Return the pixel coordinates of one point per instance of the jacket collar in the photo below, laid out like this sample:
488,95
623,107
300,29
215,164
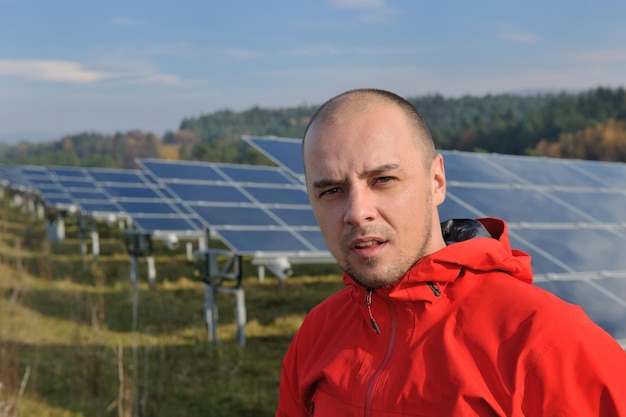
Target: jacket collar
480,245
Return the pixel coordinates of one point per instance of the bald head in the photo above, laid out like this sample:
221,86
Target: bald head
361,100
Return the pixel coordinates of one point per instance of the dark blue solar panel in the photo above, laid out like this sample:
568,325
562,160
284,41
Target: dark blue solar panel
75,184
34,171
545,171
15,176
470,167
450,209
131,192
296,217
608,174
147,208
182,208
604,207
181,170
285,152
243,216
165,224
119,177
582,250
43,182
58,200
278,195
599,307
515,205
615,286
260,175
99,207
67,172
541,264
168,194
251,241
215,193
87,195
316,239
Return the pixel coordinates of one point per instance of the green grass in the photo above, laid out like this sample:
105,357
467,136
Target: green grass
66,323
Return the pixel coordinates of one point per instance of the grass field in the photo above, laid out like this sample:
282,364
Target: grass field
68,347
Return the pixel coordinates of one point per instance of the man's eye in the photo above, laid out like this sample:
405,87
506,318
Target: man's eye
330,191
384,179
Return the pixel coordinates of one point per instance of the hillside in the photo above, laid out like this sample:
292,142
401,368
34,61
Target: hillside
68,346
541,124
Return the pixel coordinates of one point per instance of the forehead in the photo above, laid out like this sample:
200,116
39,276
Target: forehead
357,140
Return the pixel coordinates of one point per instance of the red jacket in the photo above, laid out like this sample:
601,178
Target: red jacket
462,334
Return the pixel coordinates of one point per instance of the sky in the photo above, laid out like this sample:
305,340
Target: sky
70,66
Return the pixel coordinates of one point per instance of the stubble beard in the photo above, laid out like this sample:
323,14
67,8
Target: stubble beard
366,272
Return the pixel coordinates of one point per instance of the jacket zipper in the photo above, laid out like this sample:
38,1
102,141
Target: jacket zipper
434,288
368,303
393,325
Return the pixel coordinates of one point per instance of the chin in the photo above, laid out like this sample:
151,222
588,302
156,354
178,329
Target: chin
373,279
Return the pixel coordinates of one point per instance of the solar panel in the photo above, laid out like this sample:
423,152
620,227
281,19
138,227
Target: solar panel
474,168
39,181
518,205
252,209
567,214
105,193
12,176
544,171
285,152
612,175
149,207
602,307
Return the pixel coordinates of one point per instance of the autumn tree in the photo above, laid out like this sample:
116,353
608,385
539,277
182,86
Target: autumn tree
604,142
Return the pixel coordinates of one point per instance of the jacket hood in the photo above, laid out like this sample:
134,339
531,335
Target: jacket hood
480,245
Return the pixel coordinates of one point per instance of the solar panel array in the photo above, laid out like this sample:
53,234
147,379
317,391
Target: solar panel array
569,215
108,194
252,209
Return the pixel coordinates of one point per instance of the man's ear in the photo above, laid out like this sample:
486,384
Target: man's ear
438,178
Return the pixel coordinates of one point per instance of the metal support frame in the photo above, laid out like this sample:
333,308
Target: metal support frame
139,246
221,271
87,226
55,226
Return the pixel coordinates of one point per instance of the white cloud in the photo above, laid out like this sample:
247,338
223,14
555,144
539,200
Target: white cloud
51,71
135,70
132,71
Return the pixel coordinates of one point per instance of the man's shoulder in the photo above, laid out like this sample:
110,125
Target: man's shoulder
497,294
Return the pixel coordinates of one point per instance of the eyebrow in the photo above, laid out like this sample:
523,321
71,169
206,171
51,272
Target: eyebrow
326,182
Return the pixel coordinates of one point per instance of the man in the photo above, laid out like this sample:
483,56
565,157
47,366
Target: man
436,319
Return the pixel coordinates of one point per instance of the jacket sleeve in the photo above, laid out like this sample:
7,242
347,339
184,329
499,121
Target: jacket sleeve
291,401
582,374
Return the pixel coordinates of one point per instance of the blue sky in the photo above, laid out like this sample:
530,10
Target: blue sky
72,66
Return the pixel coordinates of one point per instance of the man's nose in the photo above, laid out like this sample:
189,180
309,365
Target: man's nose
360,207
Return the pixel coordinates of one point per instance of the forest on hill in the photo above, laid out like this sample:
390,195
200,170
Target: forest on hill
584,125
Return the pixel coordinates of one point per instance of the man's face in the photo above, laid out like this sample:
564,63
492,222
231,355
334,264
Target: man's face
374,200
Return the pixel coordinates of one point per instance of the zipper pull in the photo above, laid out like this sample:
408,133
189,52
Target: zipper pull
368,303
434,288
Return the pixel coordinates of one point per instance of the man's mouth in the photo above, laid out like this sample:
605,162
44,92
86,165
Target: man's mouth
367,243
